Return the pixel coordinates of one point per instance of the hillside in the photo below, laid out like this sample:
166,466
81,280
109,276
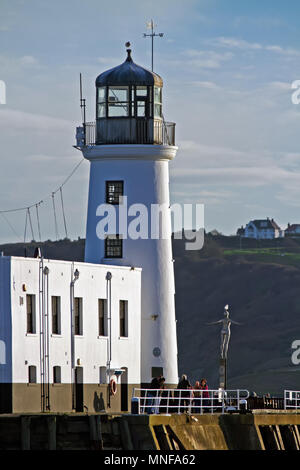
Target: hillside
262,289
259,280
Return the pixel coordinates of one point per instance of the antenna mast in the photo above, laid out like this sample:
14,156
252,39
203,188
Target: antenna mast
152,35
82,106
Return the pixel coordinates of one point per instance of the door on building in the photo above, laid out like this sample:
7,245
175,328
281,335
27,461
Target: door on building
124,389
79,389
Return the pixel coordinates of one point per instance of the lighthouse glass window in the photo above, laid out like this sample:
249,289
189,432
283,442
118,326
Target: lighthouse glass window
118,101
157,102
101,102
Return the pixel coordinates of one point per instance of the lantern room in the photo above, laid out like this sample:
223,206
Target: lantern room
129,107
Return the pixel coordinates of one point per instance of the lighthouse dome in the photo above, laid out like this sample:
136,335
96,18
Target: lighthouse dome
128,74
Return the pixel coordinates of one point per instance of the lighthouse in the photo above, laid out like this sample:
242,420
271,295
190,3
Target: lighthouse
129,147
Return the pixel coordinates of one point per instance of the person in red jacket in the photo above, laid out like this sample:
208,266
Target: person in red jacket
205,393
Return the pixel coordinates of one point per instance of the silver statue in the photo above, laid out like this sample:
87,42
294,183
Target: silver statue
225,331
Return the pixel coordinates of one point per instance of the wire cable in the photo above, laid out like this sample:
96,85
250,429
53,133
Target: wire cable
47,196
30,221
25,227
10,225
37,206
63,211
38,219
55,219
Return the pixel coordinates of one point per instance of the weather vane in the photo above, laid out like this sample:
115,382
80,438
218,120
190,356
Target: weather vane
152,35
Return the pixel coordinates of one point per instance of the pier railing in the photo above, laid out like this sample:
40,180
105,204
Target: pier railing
292,399
168,401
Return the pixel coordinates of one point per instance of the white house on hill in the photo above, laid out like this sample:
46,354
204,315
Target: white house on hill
261,229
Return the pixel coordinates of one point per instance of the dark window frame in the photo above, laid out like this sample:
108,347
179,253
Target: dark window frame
78,316
113,197
102,319
123,318
57,374
113,243
32,375
56,318
30,314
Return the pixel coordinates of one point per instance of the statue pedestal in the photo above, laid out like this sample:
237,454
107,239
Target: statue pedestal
223,374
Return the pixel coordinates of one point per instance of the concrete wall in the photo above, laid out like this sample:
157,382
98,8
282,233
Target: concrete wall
262,431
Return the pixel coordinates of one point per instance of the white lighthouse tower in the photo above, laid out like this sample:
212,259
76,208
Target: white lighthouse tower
129,148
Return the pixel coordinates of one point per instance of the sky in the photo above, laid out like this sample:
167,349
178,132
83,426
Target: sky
227,66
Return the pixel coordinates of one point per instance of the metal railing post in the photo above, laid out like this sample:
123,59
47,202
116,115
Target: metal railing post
179,402
284,399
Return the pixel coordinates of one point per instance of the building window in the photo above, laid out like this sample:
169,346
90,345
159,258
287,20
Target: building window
123,318
102,375
56,316
32,374
102,316
30,305
114,191
118,101
113,246
56,374
78,316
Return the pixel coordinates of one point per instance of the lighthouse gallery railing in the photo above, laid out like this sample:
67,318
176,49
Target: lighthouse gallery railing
163,134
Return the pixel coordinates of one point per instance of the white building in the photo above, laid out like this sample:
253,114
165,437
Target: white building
69,332
38,302
262,229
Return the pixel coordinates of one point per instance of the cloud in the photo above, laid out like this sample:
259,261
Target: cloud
193,191
12,63
236,43
108,61
15,120
239,176
43,158
283,51
214,153
28,60
224,173
280,86
206,59
208,85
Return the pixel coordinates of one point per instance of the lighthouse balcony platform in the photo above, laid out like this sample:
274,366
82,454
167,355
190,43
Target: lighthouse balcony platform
126,131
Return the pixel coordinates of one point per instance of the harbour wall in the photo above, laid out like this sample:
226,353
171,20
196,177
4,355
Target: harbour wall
259,430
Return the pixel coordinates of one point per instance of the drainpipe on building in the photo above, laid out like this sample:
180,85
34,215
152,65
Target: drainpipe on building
75,277
109,348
